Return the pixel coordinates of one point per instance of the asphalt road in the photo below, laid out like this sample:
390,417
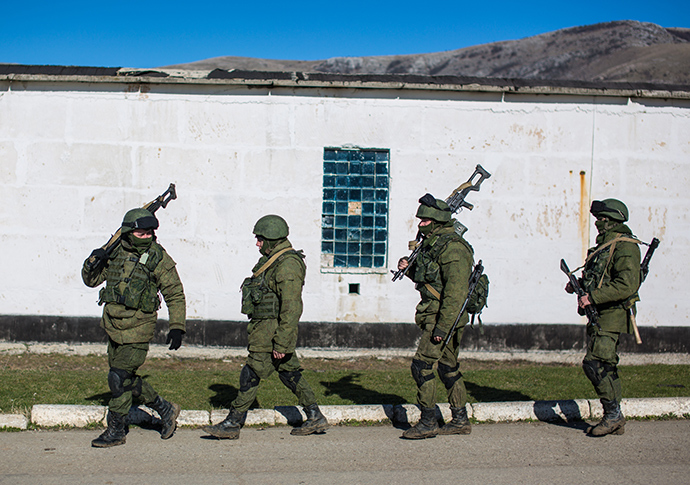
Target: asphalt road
510,453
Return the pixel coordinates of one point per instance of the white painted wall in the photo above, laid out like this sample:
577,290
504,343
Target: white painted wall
75,157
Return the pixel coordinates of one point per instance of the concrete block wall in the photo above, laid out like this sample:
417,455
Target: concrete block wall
75,156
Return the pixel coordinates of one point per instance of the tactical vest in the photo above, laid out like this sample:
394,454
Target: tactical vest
130,281
596,272
259,300
427,271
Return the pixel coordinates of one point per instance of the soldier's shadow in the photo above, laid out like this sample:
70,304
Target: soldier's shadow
103,398
493,394
225,394
346,388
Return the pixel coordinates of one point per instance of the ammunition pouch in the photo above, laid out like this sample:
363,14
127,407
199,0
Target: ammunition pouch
258,301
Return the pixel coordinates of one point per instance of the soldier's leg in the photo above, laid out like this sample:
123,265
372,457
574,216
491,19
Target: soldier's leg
600,367
422,369
124,360
451,377
257,367
290,373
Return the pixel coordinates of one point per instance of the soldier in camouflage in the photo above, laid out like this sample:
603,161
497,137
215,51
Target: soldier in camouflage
441,273
135,272
272,299
611,279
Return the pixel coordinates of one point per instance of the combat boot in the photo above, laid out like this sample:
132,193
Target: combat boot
613,421
315,423
115,434
168,413
229,428
427,427
460,424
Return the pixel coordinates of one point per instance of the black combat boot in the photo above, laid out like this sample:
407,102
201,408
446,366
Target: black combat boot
168,413
229,428
427,427
613,421
460,424
115,433
315,423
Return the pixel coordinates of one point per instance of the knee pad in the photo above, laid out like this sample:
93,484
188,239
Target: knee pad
444,371
610,370
248,379
418,367
290,379
116,381
594,370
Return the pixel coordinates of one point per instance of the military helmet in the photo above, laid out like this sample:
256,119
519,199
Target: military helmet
271,227
138,219
434,209
612,208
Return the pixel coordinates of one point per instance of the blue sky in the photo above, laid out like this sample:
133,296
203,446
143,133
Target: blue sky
157,33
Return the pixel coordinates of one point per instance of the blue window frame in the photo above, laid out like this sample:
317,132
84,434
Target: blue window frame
354,214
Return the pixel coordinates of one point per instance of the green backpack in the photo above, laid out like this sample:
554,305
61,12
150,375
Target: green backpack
478,299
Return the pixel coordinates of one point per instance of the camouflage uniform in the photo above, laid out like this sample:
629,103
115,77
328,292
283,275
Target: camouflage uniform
611,278
441,273
272,299
134,273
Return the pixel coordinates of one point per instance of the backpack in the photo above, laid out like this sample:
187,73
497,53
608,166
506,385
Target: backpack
478,299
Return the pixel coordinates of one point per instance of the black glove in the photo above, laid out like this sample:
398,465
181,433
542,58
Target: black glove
174,336
99,256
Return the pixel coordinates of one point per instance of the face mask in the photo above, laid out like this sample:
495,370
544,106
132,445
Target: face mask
140,245
426,229
605,225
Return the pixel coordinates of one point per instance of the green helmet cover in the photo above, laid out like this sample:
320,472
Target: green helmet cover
614,209
271,227
434,209
138,219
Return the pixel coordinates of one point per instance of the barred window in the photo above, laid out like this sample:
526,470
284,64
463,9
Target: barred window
354,215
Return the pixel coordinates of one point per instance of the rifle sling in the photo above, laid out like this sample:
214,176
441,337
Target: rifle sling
268,263
433,291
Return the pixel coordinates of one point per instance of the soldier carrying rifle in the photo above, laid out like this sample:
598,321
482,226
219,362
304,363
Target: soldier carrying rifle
135,269
607,293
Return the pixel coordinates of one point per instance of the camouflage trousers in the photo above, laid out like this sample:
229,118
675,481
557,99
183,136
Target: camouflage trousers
601,363
129,357
429,353
260,365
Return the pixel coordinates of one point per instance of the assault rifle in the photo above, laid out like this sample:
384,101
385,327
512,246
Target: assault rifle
473,282
160,201
590,311
644,267
456,201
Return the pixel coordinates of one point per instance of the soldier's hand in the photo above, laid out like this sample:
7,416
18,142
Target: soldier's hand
278,355
174,338
96,258
437,335
569,288
403,263
584,301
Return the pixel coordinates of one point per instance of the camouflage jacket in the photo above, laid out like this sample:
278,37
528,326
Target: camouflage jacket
284,279
441,273
126,325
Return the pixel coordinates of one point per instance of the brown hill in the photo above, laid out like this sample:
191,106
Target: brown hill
626,50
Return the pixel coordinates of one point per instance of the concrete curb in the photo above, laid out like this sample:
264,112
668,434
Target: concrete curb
48,415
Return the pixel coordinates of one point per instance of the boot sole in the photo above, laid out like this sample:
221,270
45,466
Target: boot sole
447,432
103,444
316,430
222,435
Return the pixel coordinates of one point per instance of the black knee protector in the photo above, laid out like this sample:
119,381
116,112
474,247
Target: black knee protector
610,370
248,379
444,371
417,367
290,379
594,370
116,381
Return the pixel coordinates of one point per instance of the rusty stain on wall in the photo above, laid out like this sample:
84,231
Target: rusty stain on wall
584,214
